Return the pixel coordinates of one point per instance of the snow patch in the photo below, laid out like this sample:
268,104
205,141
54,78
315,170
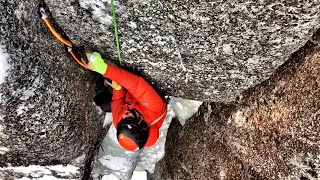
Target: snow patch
132,24
131,50
98,10
23,108
64,170
45,177
178,53
239,118
4,66
139,175
3,150
184,108
227,49
27,94
44,172
20,11
109,177
107,119
79,160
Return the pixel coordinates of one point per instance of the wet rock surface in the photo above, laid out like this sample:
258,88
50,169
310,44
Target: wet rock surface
269,132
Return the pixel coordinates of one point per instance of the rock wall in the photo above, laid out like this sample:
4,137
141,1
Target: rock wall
269,132
47,116
198,50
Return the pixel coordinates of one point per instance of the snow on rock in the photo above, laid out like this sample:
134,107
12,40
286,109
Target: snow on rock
3,150
4,66
107,119
98,10
208,50
56,172
184,108
46,111
139,175
64,170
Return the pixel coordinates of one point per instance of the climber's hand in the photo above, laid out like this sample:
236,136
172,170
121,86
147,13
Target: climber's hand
96,63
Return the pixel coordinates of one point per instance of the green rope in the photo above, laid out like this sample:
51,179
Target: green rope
116,30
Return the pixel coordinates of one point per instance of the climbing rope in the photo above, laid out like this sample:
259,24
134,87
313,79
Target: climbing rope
116,30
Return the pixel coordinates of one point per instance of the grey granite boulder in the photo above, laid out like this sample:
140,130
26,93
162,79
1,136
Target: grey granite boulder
47,115
203,50
270,131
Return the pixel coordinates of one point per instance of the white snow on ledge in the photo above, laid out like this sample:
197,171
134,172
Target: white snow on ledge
184,108
44,172
4,66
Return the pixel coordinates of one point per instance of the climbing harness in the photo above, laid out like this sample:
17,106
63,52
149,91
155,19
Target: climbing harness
76,52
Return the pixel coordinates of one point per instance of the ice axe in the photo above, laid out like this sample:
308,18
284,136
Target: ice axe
76,52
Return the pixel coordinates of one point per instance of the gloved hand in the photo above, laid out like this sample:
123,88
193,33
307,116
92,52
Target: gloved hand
96,63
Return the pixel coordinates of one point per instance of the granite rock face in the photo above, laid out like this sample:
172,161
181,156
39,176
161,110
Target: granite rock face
270,131
191,49
47,115
198,50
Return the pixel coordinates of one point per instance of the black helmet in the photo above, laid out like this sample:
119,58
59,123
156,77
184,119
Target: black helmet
132,132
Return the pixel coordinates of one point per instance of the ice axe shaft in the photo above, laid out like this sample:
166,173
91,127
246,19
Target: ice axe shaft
77,53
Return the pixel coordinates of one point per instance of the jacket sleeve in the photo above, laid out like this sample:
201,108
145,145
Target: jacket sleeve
138,88
118,102
118,94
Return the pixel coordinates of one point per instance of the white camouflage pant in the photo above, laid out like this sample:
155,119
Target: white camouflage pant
115,160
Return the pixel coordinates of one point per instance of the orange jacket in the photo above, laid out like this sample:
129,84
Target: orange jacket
137,94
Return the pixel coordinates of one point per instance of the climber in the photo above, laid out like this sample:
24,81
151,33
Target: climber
138,113
141,117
